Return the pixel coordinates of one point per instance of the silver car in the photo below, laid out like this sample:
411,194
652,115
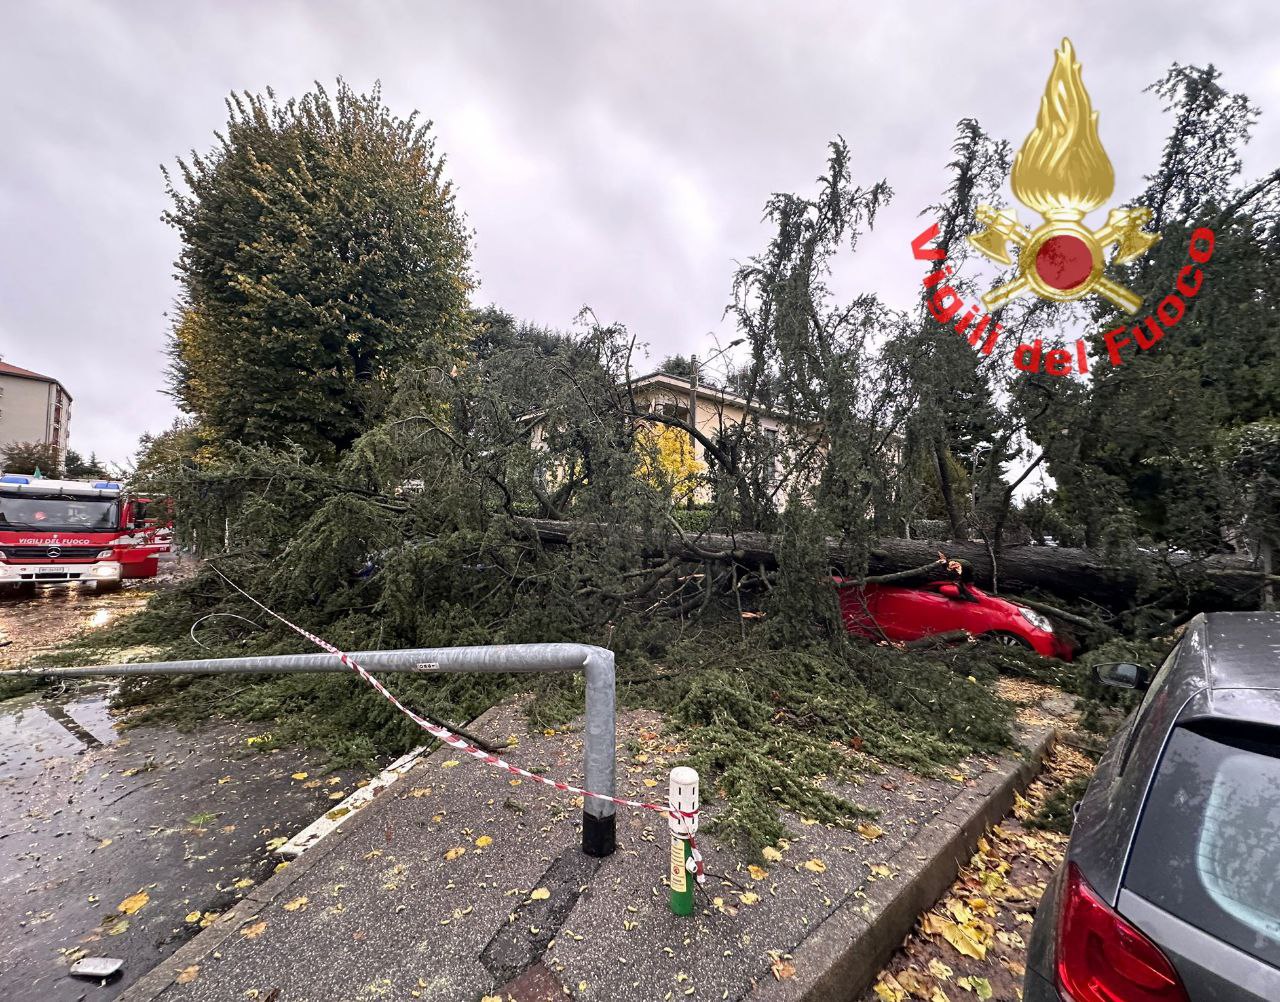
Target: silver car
1170,890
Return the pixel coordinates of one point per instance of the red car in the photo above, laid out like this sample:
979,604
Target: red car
888,612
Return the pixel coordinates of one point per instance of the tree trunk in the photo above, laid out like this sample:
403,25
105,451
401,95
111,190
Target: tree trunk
1219,582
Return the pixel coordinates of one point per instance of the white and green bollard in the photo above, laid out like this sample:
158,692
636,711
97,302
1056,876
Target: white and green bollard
683,797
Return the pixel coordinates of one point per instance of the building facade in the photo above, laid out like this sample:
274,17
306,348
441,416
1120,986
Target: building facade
33,408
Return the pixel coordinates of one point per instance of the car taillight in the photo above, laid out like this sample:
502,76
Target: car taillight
1102,958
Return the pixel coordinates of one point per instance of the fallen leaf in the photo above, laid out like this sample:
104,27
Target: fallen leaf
749,898
757,872
869,831
483,842
889,990
296,903
915,983
255,930
815,866
938,995
242,883
276,843
771,854
192,917
539,894
118,927
450,764
783,969
940,970
299,776
134,903
187,974
454,853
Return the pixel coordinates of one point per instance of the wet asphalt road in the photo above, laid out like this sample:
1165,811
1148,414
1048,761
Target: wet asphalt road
121,844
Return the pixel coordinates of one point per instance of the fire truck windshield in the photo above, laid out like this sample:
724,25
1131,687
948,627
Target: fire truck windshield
58,512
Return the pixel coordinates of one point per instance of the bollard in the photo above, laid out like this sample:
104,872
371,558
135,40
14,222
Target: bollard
683,796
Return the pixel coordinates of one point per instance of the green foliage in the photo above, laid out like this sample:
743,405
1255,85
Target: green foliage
76,467
321,250
1138,452
27,457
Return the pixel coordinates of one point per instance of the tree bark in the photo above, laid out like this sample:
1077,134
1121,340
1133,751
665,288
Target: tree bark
1219,582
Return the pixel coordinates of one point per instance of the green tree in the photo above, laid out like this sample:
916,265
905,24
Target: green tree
1135,453
77,467
27,457
321,250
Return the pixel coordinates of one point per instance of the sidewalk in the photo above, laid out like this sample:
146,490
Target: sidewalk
460,883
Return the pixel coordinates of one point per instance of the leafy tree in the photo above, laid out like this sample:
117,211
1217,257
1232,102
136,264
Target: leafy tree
1135,453
667,462
321,250
79,468
27,457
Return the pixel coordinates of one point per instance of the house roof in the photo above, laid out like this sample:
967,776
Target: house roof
12,370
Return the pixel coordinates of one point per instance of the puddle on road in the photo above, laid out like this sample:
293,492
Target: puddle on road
91,817
35,731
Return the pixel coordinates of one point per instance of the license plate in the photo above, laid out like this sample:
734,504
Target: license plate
51,570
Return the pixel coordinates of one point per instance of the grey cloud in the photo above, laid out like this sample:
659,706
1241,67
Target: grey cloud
613,154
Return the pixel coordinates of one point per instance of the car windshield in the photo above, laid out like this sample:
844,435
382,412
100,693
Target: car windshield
57,512
1208,845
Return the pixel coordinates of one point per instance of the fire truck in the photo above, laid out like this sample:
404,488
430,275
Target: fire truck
78,531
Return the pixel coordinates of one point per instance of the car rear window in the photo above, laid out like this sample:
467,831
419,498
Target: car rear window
1208,845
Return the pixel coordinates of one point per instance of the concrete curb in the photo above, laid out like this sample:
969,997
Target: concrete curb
841,958
159,979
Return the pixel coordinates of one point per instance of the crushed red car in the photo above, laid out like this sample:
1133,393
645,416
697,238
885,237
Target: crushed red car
890,612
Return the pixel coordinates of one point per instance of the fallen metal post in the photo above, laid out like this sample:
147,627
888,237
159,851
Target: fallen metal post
598,816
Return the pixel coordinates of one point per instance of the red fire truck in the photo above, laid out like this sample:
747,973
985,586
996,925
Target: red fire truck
59,531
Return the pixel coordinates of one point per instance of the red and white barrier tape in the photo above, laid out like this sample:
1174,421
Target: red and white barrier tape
467,748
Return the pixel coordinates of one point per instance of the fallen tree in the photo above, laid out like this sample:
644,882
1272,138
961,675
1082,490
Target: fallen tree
1215,582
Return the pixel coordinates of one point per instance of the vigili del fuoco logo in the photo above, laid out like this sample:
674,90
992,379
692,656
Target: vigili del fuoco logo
1063,173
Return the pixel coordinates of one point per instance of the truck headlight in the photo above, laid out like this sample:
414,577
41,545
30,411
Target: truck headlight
1035,619
106,571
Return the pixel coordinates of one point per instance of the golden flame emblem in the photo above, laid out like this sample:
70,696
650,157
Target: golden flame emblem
1063,172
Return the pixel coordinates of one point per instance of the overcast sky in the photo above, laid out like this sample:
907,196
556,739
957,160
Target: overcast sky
612,154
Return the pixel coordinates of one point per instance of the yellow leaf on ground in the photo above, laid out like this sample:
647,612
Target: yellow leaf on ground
192,917
296,903
869,831
483,841
915,983
815,866
783,969
749,898
651,783
299,776
964,939
938,995
187,974
255,930
242,883
454,853
889,990
134,903
539,894
940,970
771,854
450,764
757,872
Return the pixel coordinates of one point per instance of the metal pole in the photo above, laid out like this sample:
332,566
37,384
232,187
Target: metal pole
598,816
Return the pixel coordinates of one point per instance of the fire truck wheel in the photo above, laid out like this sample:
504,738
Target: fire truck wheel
25,589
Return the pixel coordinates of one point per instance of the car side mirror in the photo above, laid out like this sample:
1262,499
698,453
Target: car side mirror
950,590
1122,675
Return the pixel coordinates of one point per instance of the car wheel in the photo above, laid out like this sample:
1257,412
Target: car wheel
1007,640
